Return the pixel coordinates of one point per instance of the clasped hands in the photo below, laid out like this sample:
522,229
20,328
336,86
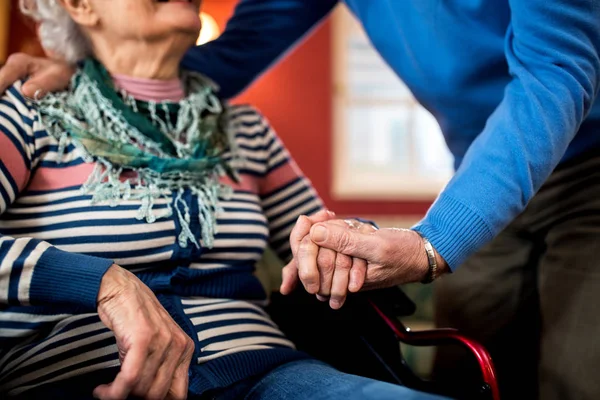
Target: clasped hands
333,257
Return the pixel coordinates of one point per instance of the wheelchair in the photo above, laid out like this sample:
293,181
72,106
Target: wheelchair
362,338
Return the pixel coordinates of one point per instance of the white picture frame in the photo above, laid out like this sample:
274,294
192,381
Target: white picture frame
365,94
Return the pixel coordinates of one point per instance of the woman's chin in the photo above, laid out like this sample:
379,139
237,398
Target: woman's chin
186,23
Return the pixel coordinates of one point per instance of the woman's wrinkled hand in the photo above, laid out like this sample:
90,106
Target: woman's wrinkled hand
155,352
45,75
330,274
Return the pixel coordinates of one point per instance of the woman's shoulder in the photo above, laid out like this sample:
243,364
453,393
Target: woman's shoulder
248,120
16,108
246,113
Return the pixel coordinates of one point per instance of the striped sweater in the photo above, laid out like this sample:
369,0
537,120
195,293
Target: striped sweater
55,247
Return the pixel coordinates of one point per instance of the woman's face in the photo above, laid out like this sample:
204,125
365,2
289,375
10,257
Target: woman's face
148,20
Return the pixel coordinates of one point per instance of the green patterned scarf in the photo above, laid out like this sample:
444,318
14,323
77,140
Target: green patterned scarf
170,146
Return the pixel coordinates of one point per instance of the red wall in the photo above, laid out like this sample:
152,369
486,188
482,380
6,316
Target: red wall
296,97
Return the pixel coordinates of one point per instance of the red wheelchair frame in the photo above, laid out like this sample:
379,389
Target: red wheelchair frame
369,324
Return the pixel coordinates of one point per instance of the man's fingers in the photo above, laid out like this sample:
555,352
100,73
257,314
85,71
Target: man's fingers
346,241
339,285
16,68
307,265
44,75
358,274
289,275
53,78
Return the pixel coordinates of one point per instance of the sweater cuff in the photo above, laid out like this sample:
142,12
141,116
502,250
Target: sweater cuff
60,277
454,230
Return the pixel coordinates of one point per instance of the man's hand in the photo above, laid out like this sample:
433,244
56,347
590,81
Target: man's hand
155,352
45,75
394,256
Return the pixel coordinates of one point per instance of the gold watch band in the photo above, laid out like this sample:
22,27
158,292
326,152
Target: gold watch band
432,271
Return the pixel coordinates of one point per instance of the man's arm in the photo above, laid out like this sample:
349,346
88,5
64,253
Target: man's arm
552,49
258,34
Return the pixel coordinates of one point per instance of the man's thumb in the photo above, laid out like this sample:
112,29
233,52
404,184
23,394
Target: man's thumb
47,79
343,240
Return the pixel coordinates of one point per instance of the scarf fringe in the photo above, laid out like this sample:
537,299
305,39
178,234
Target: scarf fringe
86,108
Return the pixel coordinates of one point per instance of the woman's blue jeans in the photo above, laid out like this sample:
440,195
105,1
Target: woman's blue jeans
314,380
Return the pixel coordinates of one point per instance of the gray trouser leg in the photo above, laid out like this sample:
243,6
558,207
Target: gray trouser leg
532,295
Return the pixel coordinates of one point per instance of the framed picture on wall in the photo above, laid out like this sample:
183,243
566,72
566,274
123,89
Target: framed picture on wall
385,144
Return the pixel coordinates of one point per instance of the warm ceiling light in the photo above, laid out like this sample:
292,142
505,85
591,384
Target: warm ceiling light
210,29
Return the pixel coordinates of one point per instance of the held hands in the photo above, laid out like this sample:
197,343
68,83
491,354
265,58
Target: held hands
324,272
333,257
45,75
155,352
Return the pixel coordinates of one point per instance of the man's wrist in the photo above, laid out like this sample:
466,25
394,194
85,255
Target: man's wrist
435,265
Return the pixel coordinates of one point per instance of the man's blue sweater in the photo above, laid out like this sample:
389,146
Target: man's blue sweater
511,82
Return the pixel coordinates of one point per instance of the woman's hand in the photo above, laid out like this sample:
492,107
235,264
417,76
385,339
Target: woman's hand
45,75
155,352
331,274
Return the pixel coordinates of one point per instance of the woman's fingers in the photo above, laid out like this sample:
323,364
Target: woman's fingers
127,378
339,285
290,278
179,385
159,361
303,225
326,265
308,271
358,274
151,343
177,353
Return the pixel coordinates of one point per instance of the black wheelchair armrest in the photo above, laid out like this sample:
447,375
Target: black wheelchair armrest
362,338
350,339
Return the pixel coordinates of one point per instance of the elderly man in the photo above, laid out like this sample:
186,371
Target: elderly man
513,84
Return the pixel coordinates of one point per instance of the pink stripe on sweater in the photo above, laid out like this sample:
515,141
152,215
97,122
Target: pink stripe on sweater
280,177
11,157
45,178
248,183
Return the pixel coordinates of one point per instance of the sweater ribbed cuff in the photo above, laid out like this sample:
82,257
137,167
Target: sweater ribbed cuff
454,230
60,277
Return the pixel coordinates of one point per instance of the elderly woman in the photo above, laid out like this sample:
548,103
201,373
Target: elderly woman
134,207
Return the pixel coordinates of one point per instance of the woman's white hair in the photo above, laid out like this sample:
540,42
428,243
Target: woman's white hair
58,33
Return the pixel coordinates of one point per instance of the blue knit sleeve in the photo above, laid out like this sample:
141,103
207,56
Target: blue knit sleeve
552,49
259,32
